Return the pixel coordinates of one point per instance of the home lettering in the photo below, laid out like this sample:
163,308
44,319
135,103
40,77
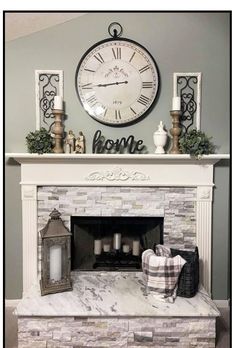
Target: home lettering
101,145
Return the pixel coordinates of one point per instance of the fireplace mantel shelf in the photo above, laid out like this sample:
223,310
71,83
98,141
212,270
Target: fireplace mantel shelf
116,170
117,158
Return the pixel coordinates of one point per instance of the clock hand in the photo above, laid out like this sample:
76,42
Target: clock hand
111,84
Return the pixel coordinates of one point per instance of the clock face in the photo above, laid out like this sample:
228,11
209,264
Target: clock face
117,81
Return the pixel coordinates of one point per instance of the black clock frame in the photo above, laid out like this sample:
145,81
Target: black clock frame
117,38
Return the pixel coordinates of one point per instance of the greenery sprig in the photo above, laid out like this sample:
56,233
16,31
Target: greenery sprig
196,143
39,141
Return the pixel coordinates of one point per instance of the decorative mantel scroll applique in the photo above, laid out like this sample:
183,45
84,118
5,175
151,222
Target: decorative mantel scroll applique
117,174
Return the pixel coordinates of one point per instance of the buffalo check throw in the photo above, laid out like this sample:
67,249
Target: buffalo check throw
161,273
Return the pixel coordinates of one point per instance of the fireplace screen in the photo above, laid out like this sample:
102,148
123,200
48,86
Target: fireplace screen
112,243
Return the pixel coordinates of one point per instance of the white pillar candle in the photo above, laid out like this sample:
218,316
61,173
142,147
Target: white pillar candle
58,102
117,241
97,246
125,248
106,248
136,246
55,262
176,103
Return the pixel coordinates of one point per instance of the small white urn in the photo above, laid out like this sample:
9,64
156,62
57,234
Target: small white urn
160,138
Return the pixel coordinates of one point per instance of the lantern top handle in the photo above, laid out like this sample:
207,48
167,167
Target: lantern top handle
55,214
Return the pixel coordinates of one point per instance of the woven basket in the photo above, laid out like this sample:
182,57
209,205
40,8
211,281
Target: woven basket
189,276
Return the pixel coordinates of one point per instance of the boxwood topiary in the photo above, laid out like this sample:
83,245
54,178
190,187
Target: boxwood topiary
39,141
196,143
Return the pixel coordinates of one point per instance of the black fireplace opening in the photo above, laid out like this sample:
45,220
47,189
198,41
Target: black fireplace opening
112,243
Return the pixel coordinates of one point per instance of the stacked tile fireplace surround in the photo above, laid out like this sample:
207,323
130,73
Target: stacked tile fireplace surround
176,205
174,187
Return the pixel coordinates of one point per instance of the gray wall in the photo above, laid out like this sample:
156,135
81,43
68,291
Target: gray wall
195,42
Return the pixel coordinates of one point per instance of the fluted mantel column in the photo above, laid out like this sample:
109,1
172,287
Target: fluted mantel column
29,224
204,234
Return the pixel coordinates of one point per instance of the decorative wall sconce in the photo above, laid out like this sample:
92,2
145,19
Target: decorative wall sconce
56,259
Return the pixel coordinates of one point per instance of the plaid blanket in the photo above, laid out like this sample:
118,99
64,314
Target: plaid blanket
161,273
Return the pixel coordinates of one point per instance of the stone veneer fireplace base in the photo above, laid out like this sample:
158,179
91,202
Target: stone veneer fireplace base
114,332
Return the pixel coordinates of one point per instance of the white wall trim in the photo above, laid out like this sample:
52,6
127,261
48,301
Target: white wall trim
222,303
12,303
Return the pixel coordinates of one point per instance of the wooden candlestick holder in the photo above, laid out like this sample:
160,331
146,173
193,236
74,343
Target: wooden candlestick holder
175,131
58,131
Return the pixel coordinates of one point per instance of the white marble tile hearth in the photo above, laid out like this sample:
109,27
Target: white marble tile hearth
111,309
111,294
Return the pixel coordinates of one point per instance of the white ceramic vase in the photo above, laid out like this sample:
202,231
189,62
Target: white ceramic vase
160,138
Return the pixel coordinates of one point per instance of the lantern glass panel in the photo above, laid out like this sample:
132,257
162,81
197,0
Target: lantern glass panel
55,262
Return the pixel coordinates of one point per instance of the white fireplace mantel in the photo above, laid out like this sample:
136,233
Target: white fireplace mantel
116,170
107,169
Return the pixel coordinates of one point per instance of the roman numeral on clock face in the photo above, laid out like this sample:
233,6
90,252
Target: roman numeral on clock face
92,100
147,84
116,52
90,70
87,86
143,100
133,110
144,69
105,111
117,115
132,57
99,58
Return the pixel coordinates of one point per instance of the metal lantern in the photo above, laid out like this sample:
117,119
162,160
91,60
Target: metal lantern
56,259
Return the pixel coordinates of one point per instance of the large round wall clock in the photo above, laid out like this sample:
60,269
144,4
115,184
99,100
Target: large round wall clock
117,80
